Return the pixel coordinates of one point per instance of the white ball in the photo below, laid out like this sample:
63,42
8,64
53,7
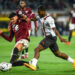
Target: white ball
5,66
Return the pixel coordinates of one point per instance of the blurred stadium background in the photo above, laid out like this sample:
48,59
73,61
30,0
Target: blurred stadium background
59,9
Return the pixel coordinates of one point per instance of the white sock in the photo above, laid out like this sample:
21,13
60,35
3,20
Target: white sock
34,61
26,53
70,59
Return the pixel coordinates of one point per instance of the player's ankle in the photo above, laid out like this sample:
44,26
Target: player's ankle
70,60
34,62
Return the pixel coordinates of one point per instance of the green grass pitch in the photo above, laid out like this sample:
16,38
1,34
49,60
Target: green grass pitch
48,63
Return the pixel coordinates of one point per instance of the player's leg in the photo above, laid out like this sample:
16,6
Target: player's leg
71,28
69,38
15,54
54,48
20,45
19,63
59,54
22,56
33,63
25,55
65,56
70,35
43,45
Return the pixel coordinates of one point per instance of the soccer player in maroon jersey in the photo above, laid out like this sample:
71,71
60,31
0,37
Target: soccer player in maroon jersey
26,12
71,24
19,30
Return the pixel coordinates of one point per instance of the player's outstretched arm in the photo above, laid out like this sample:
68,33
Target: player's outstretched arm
9,38
58,34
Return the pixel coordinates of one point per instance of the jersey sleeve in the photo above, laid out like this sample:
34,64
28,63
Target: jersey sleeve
10,37
31,13
18,12
51,22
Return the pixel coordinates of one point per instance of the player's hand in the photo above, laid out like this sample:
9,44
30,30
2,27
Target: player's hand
1,31
63,40
24,17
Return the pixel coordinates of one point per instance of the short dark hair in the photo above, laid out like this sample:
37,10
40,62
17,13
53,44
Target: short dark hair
22,0
41,8
12,14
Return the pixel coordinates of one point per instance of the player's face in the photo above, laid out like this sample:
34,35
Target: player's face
14,19
22,4
41,14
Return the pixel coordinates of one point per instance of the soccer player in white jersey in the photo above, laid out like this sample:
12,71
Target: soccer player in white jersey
49,41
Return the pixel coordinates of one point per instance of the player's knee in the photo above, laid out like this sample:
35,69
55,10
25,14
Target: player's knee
37,49
57,54
20,46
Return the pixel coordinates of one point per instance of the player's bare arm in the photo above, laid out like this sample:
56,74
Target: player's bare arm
58,34
9,38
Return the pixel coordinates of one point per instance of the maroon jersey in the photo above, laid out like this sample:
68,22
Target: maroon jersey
28,12
72,13
19,30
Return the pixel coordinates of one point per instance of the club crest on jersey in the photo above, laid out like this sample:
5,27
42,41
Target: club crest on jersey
16,28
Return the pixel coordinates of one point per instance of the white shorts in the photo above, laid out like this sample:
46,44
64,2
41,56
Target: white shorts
29,32
71,26
24,42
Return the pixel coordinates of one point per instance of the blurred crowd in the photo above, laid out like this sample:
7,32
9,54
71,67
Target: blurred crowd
50,4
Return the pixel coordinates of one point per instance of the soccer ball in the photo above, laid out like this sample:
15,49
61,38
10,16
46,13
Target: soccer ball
5,66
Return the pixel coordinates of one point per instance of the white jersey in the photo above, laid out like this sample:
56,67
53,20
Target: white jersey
48,24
